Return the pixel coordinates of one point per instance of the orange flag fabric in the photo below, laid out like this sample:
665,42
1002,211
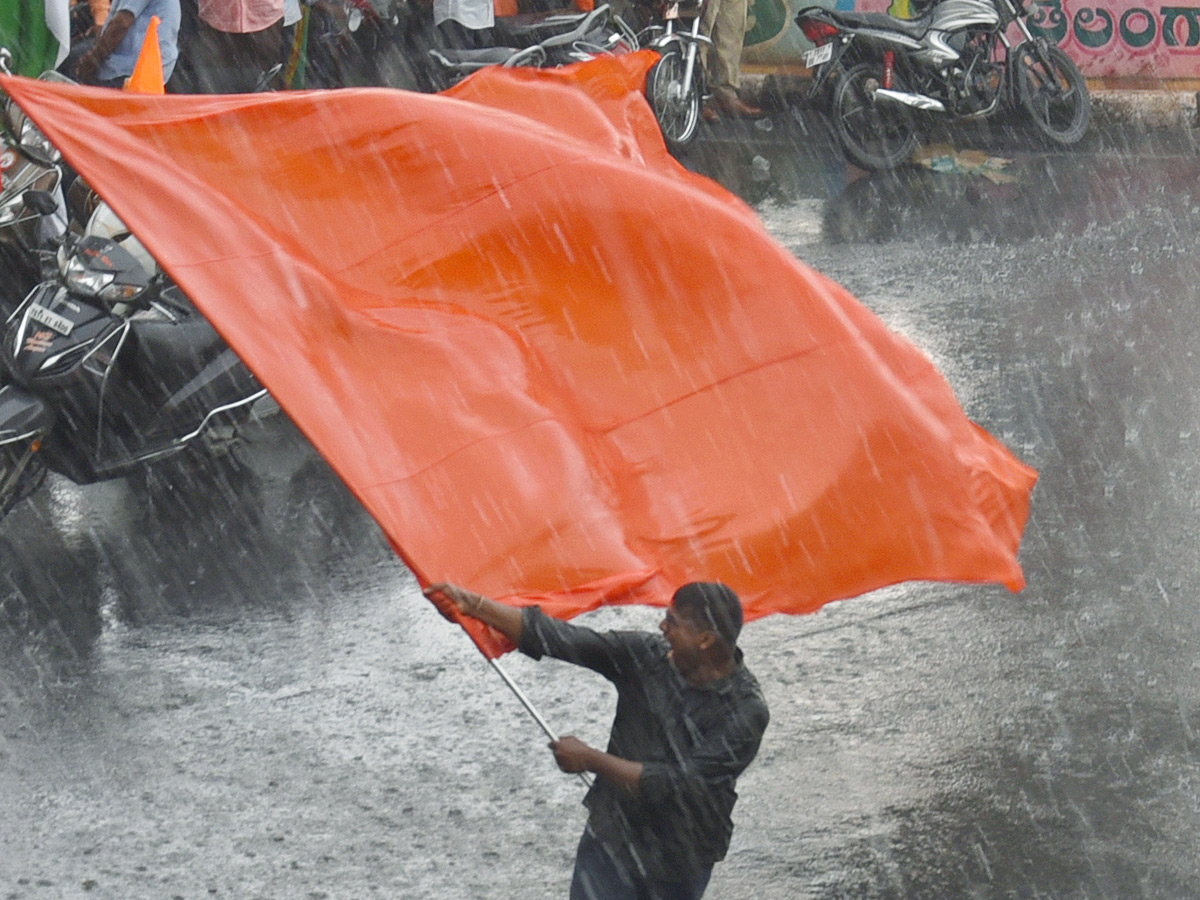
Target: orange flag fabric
147,77
554,365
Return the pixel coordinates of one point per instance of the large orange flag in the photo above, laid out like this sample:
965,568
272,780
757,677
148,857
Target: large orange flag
552,364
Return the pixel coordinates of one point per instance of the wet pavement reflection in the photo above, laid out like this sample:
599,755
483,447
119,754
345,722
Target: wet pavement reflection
221,682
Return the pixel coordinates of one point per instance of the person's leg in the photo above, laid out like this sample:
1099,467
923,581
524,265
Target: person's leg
208,52
597,875
708,55
455,35
728,32
721,22
258,52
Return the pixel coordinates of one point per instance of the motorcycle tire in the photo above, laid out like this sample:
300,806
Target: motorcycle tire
27,483
676,105
1052,90
874,136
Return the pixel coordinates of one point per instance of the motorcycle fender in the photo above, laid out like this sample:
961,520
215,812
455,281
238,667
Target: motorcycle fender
667,42
22,415
817,13
826,70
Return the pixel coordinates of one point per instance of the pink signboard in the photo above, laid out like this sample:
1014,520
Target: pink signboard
1123,38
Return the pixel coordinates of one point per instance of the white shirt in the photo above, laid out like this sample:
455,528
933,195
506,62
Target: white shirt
474,14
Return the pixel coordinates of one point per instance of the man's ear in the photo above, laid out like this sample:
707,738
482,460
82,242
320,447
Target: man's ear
707,640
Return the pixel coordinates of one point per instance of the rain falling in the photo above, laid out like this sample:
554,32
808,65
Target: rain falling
218,679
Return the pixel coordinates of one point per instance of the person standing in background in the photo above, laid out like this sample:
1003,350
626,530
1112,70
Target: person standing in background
464,24
236,43
112,58
724,21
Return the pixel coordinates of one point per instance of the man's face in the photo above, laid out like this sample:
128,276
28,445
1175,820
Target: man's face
686,637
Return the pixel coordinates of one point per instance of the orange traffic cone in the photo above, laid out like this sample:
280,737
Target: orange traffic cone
147,77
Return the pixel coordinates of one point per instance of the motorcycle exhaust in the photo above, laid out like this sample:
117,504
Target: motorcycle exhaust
916,101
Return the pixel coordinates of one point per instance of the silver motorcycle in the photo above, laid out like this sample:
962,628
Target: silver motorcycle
675,86
875,73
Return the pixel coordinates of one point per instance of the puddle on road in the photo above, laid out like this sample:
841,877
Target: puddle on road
981,190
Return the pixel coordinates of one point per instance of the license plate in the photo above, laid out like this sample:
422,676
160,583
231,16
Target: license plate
50,319
818,55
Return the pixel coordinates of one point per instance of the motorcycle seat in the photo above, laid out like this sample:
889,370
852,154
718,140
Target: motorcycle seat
913,28
473,59
551,30
526,27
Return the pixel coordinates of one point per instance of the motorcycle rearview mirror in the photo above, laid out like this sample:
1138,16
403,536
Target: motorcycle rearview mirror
41,202
264,83
48,267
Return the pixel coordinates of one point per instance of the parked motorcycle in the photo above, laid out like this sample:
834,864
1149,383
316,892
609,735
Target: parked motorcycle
954,59
353,43
28,162
109,367
539,40
675,87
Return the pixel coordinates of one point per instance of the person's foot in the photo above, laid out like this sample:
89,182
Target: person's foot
709,113
736,106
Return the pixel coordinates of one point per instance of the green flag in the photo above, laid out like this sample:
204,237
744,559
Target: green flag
37,32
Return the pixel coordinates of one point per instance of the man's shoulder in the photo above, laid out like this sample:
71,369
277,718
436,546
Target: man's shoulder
749,690
640,643
644,643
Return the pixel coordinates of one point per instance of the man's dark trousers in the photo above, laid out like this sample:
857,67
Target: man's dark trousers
600,877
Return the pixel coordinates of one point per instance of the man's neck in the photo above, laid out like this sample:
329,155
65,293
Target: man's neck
708,672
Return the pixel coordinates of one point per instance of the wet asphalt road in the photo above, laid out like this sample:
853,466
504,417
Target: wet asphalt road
223,684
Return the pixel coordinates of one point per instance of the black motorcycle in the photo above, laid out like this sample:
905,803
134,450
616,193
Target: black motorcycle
538,40
874,73
109,367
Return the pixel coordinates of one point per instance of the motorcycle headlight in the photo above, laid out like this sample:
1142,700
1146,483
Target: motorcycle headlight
34,141
81,281
120,293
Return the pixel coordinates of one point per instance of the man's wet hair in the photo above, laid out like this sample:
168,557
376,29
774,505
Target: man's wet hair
714,605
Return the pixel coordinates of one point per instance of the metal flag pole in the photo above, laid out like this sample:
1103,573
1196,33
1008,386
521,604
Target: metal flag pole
537,716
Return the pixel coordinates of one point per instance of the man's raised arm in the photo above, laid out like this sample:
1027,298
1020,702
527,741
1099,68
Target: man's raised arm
508,620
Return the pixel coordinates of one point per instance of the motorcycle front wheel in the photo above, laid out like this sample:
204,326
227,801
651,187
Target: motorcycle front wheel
1051,89
676,104
31,476
873,135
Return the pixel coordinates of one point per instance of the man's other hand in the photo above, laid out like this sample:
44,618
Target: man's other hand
572,754
86,67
